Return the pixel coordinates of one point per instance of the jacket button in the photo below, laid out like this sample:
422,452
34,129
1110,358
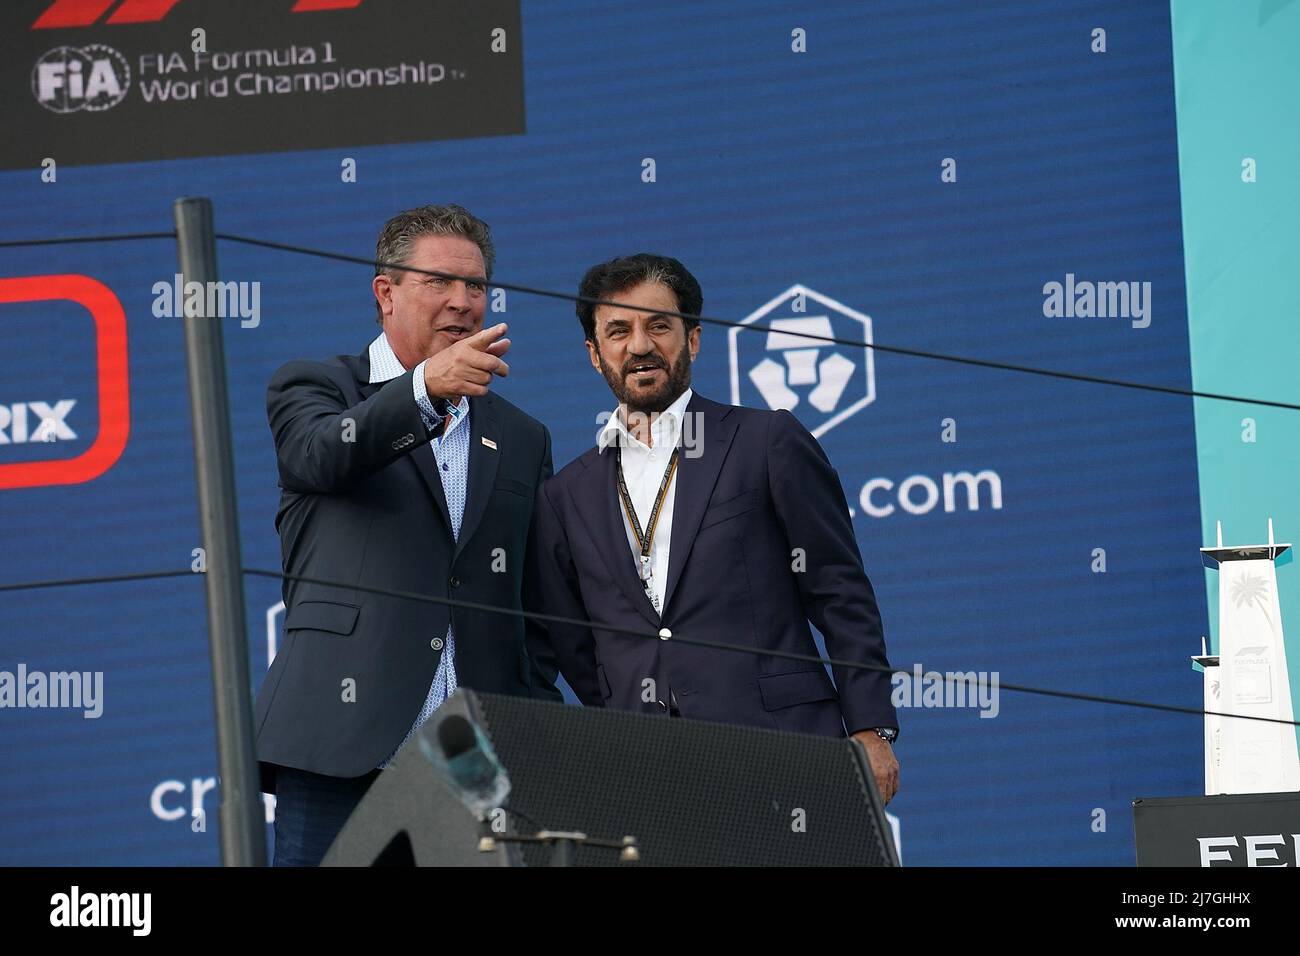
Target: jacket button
436,643
454,582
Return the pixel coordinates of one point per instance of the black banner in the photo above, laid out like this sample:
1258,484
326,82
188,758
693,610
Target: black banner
1244,829
99,81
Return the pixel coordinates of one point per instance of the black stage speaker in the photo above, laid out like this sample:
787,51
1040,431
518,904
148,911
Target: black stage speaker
691,793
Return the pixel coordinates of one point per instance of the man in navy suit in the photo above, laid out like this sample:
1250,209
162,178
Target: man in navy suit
398,469
719,522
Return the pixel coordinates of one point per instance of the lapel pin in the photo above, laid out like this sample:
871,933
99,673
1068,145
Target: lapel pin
489,442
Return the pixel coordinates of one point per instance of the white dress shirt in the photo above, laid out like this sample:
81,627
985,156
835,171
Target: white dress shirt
643,470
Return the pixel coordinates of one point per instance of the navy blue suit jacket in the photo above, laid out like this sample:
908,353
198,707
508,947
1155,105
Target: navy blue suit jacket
761,488
372,511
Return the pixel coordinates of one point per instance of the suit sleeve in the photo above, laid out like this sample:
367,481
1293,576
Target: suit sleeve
322,444
551,587
837,595
541,657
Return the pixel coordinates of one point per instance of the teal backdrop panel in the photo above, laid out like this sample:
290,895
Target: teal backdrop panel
1236,78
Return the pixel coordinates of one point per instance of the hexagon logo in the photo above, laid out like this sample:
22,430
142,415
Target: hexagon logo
821,383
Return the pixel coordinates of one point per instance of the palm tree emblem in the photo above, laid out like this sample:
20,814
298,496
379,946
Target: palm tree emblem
1251,590
1248,589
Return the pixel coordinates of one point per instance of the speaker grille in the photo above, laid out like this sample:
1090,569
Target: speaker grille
692,793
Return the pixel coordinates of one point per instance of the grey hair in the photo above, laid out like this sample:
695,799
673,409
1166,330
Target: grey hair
399,234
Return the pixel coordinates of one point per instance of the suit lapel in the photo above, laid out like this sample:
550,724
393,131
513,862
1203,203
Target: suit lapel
695,479
596,494
421,457
484,423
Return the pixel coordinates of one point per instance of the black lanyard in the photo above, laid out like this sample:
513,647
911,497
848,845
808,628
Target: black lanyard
645,541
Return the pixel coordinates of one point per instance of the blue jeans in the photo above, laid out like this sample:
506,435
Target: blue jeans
310,810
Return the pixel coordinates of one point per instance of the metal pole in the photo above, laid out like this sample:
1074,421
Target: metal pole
243,830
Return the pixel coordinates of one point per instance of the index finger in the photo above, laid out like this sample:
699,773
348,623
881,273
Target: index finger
485,337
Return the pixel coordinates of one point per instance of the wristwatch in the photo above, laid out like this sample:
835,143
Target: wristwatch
887,734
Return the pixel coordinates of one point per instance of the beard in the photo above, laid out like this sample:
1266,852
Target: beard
676,381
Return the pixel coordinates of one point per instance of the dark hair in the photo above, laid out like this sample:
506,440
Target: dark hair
606,280
399,234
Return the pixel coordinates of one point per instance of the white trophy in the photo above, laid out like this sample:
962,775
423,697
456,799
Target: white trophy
1248,677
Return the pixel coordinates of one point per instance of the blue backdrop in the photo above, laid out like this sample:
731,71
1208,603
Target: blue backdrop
773,168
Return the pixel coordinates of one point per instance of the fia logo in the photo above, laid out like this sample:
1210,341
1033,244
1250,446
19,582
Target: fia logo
92,78
822,383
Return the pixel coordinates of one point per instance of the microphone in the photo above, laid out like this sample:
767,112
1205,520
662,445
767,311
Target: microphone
465,761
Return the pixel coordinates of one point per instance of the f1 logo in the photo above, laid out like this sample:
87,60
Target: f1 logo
113,386
82,13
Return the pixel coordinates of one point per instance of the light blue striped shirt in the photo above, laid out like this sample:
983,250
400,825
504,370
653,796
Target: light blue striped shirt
451,451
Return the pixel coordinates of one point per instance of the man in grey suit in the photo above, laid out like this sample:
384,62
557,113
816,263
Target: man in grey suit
398,469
